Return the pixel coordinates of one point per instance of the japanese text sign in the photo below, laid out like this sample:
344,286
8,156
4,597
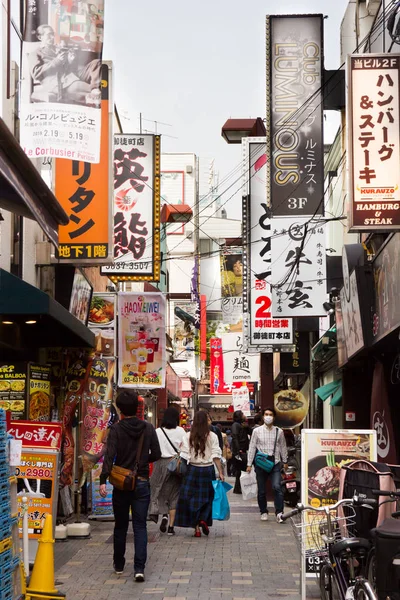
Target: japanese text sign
37,435
217,380
136,209
84,190
13,378
262,330
374,141
60,91
241,400
294,114
141,334
238,366
298,268
351,314
232,286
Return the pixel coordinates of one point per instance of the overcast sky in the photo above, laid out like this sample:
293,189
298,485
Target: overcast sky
193,65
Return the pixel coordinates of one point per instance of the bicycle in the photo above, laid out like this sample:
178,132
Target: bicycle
330,540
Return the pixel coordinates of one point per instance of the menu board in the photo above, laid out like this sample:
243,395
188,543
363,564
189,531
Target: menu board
13,389
39,392
324,452
103,323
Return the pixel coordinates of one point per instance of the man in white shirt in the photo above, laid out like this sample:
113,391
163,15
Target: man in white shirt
269,440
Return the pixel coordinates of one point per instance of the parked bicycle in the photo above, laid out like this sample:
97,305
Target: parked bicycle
327,534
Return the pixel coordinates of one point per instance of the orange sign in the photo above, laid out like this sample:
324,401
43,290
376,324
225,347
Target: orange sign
83,190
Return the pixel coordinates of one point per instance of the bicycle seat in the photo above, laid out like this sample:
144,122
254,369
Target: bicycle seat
351,545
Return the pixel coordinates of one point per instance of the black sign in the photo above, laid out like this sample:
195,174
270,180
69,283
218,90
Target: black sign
299,360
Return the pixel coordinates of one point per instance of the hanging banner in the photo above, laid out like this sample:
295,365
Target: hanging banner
238,366
61,79
194,289
184,331
103,322
217,380
262,332
381,418
232,286
295,115
298,268
39,392
85,192
136,209
241,400
374,141
142,353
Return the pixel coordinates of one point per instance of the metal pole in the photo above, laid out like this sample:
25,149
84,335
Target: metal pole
25,535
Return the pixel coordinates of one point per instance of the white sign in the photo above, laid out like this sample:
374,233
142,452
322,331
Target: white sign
263,330
136,237
241,400
352,323
374,141
238,366
232,310
60,87
298,267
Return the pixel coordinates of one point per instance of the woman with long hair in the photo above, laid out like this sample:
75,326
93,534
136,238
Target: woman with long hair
201,449
165,485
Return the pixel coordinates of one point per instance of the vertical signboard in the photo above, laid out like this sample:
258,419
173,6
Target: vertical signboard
298,267
352,318
217,380
39,392
374,141
294,114
136,209
13,388
103,322
60,91
238,366
232,286
262,332
142,353
85,192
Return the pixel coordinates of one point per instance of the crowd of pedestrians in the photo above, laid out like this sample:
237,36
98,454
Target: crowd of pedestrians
180,490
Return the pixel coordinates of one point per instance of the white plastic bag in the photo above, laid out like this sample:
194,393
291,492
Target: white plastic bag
248,483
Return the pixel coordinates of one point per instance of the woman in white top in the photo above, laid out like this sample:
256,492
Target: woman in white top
201,449
165,485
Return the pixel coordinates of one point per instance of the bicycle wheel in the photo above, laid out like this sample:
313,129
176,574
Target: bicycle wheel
371,568
363,591
327,584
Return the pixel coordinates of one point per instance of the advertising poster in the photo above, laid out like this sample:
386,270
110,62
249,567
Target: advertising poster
262,331
295,114
137,254
39,392
238,366
351,315
373,141
61,80
81,295
184,331
37,435
291,408
141,335
102,508
324,452
83,190
298,274
217,380
96,407
241,400
37,479
13,388
102,321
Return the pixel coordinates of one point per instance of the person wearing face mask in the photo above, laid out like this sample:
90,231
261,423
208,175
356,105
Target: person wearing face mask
269,440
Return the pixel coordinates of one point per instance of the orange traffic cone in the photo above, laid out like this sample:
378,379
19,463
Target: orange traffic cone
41,583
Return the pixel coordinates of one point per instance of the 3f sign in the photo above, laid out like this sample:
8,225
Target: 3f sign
298,203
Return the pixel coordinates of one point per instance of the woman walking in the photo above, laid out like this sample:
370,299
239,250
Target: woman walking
165,485
201,449
240,446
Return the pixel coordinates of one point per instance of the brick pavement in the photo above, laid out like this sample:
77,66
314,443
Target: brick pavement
242,559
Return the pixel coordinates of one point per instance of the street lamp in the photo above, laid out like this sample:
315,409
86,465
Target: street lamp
235,130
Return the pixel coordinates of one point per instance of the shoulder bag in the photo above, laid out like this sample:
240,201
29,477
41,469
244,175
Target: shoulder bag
125,479
177,464
265,461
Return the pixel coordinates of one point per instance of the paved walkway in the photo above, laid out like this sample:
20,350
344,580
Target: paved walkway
242,559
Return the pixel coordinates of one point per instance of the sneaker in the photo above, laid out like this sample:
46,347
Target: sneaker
118,570
164,523
264,517
139,577
171,530
279,518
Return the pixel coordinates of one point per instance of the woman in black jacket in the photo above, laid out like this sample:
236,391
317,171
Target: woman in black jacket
240,446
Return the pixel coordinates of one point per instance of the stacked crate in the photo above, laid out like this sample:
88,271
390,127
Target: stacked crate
10,581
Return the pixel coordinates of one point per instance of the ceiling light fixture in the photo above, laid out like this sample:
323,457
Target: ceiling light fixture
30,322
8,322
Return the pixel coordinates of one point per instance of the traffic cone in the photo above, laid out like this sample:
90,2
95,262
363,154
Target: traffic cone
41,583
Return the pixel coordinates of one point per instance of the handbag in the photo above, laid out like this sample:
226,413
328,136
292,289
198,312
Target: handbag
177,464
125,479
265,461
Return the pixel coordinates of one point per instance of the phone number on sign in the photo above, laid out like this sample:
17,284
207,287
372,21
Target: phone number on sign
140,266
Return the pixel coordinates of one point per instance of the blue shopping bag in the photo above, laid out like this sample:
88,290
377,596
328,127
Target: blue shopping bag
220,507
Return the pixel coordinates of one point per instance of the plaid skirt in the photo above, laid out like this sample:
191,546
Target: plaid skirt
196,497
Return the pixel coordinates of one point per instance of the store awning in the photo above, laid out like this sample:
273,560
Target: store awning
331,390
22,189
31,319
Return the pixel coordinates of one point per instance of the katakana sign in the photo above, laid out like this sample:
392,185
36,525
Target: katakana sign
374,141
298,268
294,114
136,209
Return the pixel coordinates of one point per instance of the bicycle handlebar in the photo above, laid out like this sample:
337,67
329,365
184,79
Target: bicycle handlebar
357,500
386,493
